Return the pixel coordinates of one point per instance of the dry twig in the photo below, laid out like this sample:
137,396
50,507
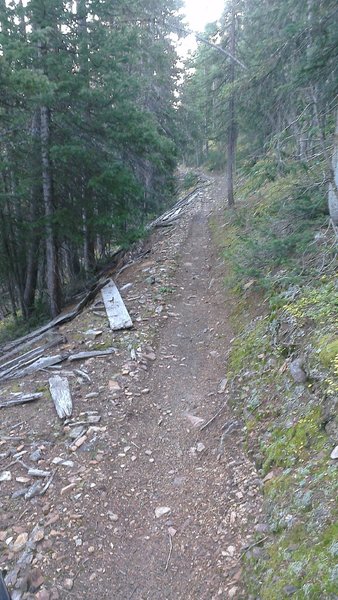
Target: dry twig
255,544
214,417
170,552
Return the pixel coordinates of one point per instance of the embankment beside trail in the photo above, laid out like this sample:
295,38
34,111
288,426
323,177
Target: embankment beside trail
282,367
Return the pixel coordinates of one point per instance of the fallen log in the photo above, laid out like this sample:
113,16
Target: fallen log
49,336
171,215
29,357
41,363
22,399
61,396
60,320
91,354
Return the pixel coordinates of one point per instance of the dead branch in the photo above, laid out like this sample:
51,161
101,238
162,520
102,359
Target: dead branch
214,417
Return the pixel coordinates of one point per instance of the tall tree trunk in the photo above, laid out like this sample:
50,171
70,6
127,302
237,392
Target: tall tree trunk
87,200
333,190
52,270
32,263
232,128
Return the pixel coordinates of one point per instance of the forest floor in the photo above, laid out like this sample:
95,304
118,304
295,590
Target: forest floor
148,506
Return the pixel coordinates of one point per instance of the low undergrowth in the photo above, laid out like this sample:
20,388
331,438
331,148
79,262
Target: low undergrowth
283,372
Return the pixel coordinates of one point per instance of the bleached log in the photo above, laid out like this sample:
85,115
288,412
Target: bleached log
117,313
61,396
60,320
21,399
41,363
91,354
15,361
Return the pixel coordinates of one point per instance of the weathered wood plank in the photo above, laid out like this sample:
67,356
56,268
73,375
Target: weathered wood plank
60,320
22,399
15,361
41,363
61,396
117,313
91,354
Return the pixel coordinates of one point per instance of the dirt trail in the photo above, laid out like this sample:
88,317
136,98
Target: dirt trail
151,456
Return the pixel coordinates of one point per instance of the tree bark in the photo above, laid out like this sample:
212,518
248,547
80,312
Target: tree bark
333,190
232,128
52,270
32,263
87,200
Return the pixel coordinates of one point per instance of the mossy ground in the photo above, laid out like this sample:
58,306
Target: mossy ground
285,305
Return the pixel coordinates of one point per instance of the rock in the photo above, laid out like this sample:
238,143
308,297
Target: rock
93,419
269,476
22,479
5,476
20,542
290,589
12,576
113,516
172,531
334,453
222,386
78,443
26,558
76,432
161,511
297,372
150,356
68,584
262,528
232,592
33,490
43,595
36,455
35,580
200,447
114,386
16,595
37,534
64,463
91,550
93,332
195,421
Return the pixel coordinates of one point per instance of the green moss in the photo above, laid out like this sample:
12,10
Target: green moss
104,345
289,446
318,303
246,349
328,353
41,388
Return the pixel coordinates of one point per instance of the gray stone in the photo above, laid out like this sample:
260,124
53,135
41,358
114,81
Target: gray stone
334,453
297,372
36,455
289,590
